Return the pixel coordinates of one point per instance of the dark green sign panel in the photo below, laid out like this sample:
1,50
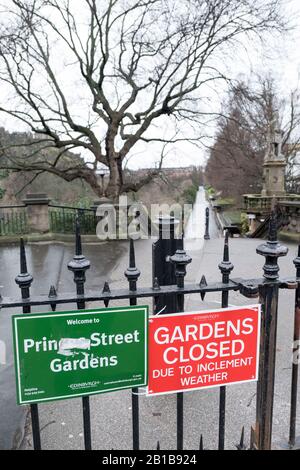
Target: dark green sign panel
71,354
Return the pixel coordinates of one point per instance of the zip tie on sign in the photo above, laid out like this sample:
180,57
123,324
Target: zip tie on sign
162,310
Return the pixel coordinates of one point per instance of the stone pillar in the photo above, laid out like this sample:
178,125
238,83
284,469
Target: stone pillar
37,211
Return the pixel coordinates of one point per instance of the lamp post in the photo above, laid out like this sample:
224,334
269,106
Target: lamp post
206,236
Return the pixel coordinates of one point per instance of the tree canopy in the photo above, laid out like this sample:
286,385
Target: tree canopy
101,76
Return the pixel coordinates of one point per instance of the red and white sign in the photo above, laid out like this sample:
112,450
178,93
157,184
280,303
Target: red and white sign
190,351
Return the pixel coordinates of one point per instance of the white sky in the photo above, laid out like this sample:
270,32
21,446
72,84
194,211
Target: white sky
282,60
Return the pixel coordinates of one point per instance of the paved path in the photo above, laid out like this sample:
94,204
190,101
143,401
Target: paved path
61,422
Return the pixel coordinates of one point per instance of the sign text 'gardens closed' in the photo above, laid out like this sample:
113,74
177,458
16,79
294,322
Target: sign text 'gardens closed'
190,351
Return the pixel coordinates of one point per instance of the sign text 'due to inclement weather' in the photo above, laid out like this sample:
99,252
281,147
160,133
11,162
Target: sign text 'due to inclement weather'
197,350
70,354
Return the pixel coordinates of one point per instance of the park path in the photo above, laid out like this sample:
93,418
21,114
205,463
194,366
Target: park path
61,422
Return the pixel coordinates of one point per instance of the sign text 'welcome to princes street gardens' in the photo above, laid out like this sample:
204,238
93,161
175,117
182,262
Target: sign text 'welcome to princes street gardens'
70,354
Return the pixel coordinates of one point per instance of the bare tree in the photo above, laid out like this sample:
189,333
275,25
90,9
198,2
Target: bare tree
235,164
102,76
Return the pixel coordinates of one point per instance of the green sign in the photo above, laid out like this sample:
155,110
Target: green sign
71,354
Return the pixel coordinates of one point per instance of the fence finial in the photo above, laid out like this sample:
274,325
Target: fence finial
132,273
106,290
201,443
203,283
272,250
24,279
226,266
226,247
52,295
23,261
131,254
52,292
79,264
78,249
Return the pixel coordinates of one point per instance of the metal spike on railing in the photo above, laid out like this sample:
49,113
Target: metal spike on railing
158,446
106,290
201,443
131,254
132,273
78,249
156,285
24,279
203,283
226,266
226,247
52,292
241,445
23,261
52,295
79,264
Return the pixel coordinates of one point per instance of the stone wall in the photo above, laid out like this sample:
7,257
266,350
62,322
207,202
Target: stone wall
291,217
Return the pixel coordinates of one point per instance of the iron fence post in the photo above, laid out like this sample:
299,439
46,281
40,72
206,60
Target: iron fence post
268,294
162,270
180,260
225,267
24,281
295,366
132,274
79,265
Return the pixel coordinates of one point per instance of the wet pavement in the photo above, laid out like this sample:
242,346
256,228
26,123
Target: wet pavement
61,422
48,265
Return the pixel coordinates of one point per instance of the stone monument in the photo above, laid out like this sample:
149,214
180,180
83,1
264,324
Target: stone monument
274,167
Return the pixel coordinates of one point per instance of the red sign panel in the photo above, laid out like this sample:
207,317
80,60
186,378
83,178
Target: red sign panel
189,351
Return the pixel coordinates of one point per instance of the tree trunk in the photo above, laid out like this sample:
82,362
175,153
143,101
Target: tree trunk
115,184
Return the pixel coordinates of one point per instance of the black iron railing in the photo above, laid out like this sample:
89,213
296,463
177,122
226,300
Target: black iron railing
13,220
63,219
266,287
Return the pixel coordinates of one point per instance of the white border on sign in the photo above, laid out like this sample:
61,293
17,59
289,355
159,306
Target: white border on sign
61,314
256,307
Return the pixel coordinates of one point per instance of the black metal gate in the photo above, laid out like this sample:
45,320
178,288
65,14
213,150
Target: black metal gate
170,261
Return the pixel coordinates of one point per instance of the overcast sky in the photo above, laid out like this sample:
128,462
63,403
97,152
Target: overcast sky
281,59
